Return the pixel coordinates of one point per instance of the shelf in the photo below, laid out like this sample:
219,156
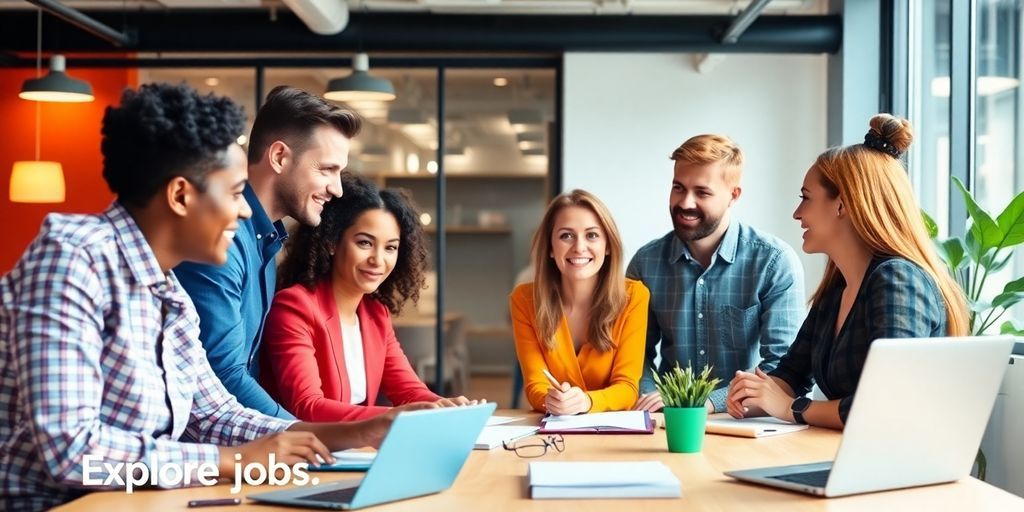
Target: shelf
472,230
463,176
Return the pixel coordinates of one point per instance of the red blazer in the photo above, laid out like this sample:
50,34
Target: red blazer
303,366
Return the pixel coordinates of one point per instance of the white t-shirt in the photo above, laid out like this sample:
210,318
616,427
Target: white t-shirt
355,363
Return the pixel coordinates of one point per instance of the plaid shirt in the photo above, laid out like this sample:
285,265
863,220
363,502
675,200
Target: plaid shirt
99,356
751,297
897,299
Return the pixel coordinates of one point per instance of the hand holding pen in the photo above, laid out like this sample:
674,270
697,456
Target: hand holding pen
565,399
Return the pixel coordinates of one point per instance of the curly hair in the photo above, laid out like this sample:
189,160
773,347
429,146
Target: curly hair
308,258
163,131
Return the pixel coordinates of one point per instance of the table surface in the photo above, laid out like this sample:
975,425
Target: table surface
495,481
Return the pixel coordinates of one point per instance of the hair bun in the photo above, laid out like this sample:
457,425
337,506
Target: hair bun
890,134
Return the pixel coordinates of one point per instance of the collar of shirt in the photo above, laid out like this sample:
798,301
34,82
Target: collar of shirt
139,255
267,231
726,248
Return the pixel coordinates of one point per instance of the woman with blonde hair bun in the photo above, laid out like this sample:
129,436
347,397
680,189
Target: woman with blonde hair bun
883,280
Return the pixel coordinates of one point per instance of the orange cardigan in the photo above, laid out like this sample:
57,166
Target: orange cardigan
303,364
610,378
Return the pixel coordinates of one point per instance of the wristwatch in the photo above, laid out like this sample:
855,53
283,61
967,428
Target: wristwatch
798,408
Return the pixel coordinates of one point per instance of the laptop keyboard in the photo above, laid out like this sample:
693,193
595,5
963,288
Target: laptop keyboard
812,478
338,496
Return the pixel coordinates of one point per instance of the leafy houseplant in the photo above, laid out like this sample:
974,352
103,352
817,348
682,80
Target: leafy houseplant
987,248
684,394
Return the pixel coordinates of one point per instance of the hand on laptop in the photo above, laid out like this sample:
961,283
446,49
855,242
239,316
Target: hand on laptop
757,394
567,400
289,447
458,401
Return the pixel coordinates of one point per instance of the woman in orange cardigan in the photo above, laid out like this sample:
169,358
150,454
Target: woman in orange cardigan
328,346
580,319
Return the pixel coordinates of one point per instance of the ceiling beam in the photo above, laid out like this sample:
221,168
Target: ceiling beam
84,22
243,30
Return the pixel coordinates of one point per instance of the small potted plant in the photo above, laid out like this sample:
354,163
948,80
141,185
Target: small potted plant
684,394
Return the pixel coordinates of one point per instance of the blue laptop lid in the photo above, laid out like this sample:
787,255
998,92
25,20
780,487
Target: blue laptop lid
422,453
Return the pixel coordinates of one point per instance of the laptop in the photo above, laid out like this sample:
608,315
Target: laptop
421,454
920,411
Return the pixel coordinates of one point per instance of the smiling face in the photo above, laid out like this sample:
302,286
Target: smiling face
367,252
313,176
578,243
819,214
699,200
214,213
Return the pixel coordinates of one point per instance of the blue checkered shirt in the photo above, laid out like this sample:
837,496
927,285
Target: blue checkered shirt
99,355
897,299
749,299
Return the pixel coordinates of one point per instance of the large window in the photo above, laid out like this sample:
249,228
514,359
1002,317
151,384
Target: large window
983,126
929,107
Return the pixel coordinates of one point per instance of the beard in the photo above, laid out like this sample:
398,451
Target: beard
705,227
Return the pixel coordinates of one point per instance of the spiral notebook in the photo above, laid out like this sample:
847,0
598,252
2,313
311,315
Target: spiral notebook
617,422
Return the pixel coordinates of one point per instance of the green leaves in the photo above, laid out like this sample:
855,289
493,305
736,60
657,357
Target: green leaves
952,251
987,249
683,388
930,225
1011,222
984,229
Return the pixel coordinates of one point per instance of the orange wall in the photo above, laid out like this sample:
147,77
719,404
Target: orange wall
70,134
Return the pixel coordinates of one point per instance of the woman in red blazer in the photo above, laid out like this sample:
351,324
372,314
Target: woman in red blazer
328,346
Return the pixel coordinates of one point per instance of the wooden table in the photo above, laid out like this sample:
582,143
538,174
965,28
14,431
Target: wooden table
494,481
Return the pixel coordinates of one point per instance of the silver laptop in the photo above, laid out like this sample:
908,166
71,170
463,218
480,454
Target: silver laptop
421,454
918,418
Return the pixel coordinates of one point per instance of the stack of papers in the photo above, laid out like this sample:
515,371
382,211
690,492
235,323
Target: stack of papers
602,480
348,460
492,437
619,422
751,427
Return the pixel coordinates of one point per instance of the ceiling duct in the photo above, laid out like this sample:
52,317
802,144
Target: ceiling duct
324,17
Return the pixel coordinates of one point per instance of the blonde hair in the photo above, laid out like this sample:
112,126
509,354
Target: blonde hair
709,149
876,192
610,294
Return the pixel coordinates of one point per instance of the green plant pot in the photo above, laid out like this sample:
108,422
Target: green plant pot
684,428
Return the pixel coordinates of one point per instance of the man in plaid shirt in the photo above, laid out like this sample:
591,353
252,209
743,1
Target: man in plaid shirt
99,350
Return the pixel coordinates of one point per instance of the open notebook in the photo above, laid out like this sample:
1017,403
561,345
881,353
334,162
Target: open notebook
618,422
751,427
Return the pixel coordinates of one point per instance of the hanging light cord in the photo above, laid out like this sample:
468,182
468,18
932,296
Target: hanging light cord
39,69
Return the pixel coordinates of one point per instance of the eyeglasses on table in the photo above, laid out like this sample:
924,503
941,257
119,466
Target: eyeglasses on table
536,447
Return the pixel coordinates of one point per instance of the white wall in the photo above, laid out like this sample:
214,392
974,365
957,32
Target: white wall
626,112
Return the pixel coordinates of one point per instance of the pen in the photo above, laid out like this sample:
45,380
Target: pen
214,503
551,378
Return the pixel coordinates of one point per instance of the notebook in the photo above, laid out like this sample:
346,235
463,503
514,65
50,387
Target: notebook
617,422
752,427
574,480
492,436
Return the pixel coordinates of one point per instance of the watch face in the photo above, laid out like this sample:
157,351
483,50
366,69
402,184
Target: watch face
801,404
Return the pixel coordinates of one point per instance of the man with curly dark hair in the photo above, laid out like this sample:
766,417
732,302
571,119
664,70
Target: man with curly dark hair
100,362
297,149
